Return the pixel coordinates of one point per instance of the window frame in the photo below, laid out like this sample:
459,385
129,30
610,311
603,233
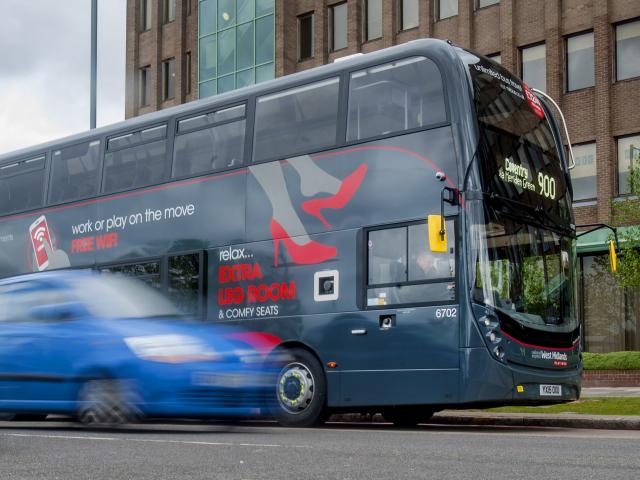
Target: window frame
521,58
590,200
168,139
299,20
566,60
365,22
477,5
615,48
332,26
144,86
45,178
436,11
166,11
617,139
400,17
364,258
200,112
101,154
166,81
145,13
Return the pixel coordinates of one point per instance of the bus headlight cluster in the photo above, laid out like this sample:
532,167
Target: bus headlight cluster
491,327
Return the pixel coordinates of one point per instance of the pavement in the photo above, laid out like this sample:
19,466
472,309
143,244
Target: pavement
560,420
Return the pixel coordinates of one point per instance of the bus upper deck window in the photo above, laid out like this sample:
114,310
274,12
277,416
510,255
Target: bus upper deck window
394,97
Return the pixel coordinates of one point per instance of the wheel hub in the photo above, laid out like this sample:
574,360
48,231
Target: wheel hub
295,388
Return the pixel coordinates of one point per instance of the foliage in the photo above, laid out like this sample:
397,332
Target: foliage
626,212
611,361
588,406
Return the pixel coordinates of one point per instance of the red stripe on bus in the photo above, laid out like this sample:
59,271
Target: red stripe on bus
565,349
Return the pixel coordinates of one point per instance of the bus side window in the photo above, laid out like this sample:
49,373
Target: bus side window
22,185
296,121
75,172
215,147
403,270
135,159
397,96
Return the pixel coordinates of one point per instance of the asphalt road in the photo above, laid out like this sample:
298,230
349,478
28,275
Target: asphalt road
55,450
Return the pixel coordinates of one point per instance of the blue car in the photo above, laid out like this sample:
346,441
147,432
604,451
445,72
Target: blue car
110,349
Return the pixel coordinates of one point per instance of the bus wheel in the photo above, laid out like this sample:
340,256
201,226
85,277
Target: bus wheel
407,416
301,391
104,402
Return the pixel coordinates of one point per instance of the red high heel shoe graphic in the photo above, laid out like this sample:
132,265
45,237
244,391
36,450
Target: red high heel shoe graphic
309,253
348,188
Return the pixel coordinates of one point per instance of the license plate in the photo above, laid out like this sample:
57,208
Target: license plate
550,390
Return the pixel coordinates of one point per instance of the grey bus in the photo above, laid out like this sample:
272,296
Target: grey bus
399,223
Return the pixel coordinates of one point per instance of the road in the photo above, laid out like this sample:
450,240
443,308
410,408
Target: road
57,450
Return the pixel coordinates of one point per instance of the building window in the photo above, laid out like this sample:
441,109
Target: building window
169,11
446,9
628,50
305,36
372,19
236,44
408,14
496,57
583,176
628,156
338,27
145,15
145,86
580,70
189,7
486,3
534,67
168,78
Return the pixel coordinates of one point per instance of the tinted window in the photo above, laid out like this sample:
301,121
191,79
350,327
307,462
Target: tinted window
21,185
184,282
204,143
394,97
402,268
148,272
75,172
580,68
297,120
141,162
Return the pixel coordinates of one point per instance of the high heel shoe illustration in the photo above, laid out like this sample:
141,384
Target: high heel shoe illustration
348,188
309,253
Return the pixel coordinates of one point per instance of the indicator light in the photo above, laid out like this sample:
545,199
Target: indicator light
520,388
332,364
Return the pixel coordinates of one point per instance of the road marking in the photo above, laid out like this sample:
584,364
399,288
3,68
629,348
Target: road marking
152,440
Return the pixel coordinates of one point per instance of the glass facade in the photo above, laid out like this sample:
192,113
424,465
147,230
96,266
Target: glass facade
610,313
236,41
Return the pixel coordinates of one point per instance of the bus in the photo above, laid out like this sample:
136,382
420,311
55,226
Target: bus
398,224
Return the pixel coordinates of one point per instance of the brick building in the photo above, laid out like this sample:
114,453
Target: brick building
584,53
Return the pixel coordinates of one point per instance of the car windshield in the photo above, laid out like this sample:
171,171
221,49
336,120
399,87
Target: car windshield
523,271
114,296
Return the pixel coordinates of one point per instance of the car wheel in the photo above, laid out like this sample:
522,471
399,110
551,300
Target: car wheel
407,416
301,391
106,402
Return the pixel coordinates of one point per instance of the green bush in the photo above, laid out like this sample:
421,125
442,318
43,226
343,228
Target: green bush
611,361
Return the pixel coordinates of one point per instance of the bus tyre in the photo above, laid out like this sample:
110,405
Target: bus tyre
301,391
407,416
106,402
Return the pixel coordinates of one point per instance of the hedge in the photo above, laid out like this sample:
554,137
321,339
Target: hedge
611,361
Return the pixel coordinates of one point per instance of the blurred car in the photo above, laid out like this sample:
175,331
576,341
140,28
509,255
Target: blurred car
110,349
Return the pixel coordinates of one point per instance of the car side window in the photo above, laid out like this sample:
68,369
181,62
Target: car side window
17,300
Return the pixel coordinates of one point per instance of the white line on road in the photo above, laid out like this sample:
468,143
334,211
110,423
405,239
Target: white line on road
151,440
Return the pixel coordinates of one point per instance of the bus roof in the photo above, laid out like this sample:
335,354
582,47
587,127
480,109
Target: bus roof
415,47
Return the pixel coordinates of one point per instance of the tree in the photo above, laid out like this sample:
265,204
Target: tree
626,212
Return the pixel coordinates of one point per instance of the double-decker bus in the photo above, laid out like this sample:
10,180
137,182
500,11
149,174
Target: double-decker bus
398,223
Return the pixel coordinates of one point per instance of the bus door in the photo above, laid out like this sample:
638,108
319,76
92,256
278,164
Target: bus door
403,348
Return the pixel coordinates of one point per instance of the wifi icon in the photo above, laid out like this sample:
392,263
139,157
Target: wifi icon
39,234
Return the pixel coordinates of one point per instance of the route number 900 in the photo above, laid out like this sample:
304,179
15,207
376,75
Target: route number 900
547,185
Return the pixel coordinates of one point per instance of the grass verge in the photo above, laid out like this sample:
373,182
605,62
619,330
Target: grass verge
587,406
